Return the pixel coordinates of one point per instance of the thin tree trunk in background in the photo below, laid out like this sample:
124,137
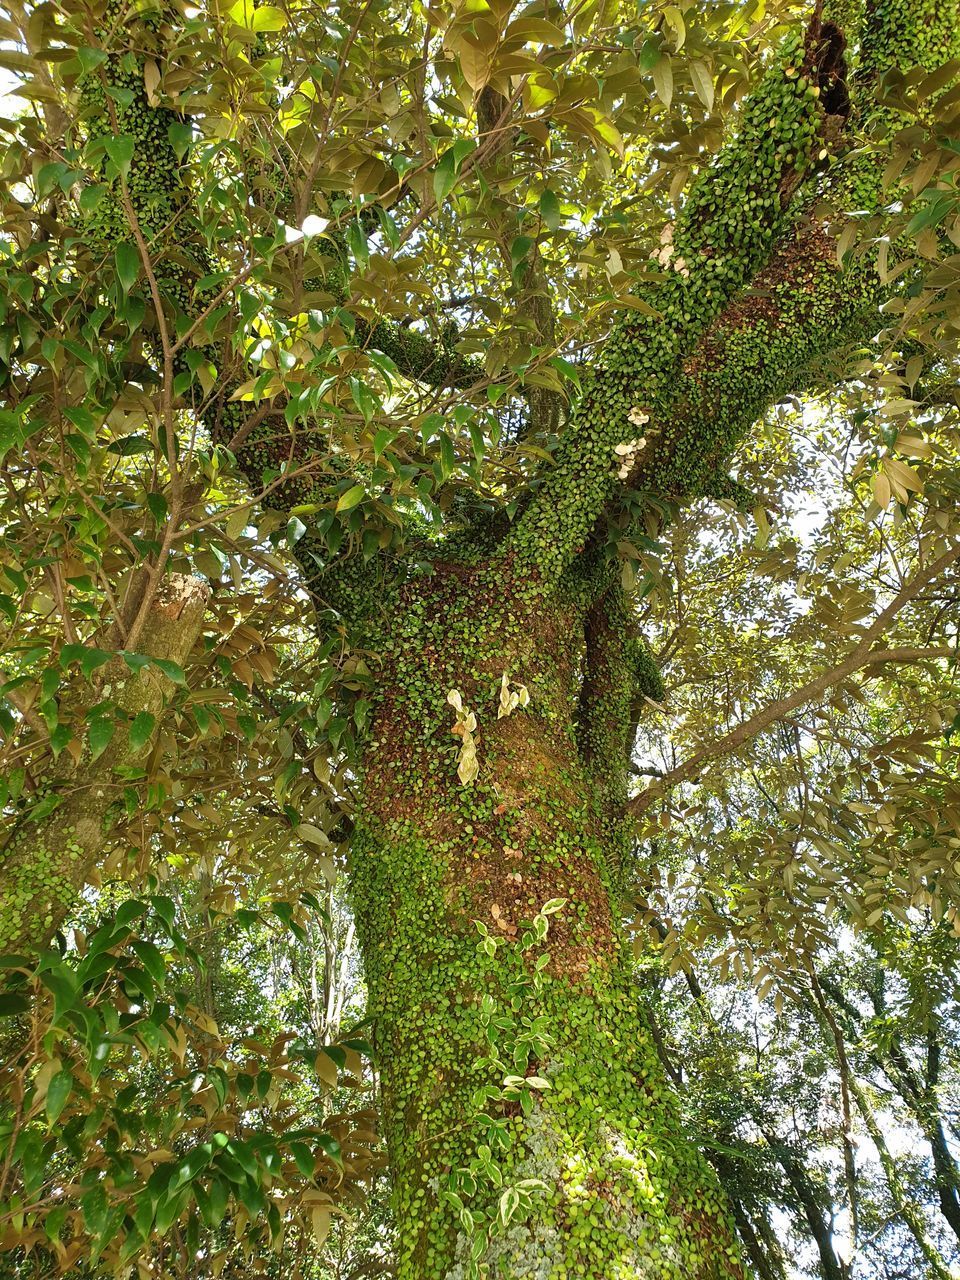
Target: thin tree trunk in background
831,1266
768,1265
911,1214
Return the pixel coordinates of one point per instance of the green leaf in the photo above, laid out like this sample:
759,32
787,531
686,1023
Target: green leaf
663,79
92,659
181,138
50,801
550,210
509,1204
172,670
649,54
151,959
347,501
519,248
100,732
129,446
94,1206
331,1147
91,196
381,439
304,1158
448,457
158,507
363,398
165,908
82,419
268,18
135,661
566,369
219,1196
12,1003
83,354
79,447
128,265
141,730
58,1092
120,150
48,176
444,176
169,1210
90,59
702,82
53,1222
128,912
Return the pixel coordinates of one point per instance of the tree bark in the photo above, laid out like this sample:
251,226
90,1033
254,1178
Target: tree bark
530,1127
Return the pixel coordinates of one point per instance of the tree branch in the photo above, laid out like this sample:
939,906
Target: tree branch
735,213
863,655
418,357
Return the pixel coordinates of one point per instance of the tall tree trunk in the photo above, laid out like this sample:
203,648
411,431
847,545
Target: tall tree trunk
945,1173
530,1127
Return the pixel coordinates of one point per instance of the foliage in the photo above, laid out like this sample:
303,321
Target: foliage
143,1125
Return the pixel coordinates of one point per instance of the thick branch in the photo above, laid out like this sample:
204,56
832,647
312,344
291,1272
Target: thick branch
803,305
735,213
759,350
420,358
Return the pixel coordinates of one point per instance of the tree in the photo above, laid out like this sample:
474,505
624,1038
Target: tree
231,236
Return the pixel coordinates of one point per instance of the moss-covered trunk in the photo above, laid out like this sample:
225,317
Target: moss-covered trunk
530,1129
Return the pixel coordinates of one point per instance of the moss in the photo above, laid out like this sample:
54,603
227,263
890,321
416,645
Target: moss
756,354
900,34
39,873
